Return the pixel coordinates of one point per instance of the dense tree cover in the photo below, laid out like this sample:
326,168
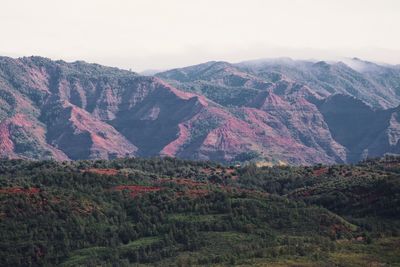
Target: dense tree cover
176,212
229,96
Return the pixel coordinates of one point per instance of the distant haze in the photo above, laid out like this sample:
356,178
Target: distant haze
160,34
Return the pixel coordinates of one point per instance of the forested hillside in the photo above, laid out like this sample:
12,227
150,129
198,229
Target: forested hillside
171,212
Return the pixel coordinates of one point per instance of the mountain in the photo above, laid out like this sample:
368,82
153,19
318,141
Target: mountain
270,110
348,110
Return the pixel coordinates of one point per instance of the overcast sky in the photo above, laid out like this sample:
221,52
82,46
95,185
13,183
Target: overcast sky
160,34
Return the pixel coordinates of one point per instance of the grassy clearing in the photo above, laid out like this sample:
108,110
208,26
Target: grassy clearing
79,257
142,242
382,252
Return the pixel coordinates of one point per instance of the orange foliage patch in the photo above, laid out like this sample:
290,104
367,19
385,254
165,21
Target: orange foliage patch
102,171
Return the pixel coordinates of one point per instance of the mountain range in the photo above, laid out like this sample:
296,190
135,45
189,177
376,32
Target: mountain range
273,111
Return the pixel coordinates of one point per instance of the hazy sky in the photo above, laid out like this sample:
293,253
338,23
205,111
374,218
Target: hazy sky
159,34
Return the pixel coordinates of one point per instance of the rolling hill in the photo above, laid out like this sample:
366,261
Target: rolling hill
171,212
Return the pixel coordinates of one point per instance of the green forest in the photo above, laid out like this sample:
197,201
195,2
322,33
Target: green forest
172,212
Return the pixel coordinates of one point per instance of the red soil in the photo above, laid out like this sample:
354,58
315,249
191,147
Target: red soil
137,189
6,144
104,137
172,148
19,190
207,171
197,192
37,78
231,172
194,188
22,121
320,171
392,165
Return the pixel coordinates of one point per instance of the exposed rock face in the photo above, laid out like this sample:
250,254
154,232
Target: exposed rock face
72,125
376,85
291,111
361,129
338,111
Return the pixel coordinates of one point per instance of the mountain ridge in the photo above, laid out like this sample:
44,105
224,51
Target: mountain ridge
264,111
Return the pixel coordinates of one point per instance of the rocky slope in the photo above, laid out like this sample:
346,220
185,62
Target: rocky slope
291,111
347,109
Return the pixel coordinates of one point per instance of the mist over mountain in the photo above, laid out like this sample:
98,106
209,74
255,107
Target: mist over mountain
281,110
